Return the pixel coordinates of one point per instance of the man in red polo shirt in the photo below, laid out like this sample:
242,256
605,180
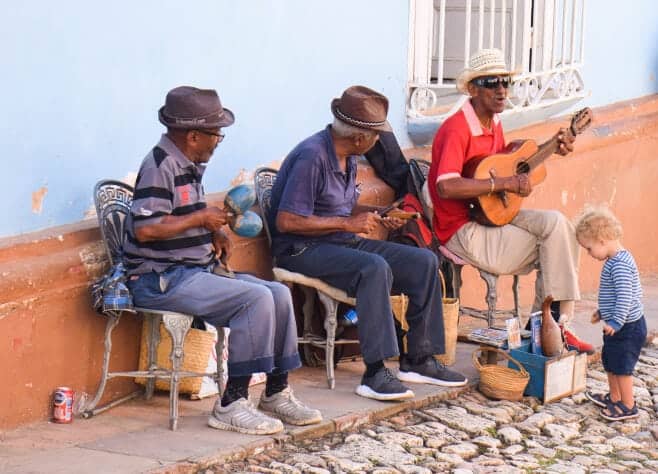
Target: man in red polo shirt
534,237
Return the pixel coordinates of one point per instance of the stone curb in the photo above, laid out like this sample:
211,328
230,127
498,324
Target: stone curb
336,425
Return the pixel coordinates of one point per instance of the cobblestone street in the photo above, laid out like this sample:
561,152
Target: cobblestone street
472,434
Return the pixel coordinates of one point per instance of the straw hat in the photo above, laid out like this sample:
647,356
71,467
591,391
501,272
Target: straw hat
486,62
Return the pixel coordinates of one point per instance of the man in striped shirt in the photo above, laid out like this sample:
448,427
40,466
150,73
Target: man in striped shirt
172,244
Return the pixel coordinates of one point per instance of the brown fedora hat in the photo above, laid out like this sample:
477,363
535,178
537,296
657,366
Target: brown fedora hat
362,107
188,107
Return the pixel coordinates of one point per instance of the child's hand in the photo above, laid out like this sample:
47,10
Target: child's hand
608,330
596,317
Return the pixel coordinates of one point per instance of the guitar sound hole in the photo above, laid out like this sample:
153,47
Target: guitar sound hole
522,167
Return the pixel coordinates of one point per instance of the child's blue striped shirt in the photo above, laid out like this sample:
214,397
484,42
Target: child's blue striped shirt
620,291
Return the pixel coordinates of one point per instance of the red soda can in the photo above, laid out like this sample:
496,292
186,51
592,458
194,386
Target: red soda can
63,405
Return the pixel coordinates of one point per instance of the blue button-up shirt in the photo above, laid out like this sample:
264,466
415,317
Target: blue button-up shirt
310,182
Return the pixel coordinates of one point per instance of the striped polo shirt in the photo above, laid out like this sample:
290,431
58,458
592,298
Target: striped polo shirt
620,291
167,184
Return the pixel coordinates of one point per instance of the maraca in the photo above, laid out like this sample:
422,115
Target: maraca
243,222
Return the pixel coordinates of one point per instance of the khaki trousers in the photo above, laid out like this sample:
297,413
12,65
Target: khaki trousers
542,240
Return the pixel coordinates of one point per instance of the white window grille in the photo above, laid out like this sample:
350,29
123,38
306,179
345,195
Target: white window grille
542,40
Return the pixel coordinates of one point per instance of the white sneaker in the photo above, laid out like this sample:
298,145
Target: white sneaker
242,416
285,406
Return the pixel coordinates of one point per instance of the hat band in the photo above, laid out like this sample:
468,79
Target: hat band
190,121
358,123
211,117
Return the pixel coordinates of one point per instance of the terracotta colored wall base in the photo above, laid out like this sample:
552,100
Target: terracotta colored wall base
49,336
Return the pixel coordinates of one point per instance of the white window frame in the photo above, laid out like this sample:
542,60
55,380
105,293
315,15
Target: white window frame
542,39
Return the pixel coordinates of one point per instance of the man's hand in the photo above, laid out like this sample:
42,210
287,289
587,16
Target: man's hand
608,330
519,184
223,245
565,142
363,223
213,218
391,223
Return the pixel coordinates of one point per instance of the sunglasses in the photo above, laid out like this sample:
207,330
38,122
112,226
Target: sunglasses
492,82
220,135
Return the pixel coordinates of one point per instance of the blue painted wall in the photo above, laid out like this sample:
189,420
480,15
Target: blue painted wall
621,50
82,81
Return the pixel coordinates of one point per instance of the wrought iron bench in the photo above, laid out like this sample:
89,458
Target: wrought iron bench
112,200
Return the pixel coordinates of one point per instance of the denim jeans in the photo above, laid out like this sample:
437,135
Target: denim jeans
259,313
372,270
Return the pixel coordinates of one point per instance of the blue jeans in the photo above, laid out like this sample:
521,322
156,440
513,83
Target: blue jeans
372,270
259,313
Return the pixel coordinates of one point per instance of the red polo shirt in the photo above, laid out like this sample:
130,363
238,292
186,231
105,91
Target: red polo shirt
460,138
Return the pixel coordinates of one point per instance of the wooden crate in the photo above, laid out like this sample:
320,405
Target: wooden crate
551,378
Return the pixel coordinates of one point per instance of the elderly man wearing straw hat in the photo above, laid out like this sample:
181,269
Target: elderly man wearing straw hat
315,220
534,238
172,245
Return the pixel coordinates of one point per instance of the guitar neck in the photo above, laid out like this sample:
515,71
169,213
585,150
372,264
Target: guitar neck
579,122
546,149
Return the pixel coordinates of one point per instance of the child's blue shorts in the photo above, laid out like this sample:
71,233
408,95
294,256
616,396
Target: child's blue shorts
622,350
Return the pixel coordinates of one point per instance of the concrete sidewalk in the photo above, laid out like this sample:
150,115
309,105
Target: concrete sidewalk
134,437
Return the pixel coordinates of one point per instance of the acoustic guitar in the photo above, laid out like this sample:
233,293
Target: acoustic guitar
520,156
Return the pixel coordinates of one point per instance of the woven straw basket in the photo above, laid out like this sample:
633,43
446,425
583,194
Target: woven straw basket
450,323
399,305
197,347
501,382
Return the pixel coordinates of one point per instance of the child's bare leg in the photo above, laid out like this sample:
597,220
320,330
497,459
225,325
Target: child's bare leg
566,310
625,384
613,383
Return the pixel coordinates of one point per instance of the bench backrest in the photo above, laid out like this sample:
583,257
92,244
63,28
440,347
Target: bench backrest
112,200
264,179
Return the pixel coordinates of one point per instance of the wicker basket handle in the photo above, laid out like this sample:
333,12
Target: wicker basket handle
443,283
476,361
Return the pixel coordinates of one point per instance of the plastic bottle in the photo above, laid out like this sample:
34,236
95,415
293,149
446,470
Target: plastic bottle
349,318
535,329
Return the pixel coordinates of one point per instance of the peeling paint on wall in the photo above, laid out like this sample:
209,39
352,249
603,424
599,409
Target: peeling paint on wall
37,199
243,177
247,176
94,259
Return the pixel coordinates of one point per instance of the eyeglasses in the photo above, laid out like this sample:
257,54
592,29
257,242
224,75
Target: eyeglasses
220,136
492,82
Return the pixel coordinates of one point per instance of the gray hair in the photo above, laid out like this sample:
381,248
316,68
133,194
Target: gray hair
346,130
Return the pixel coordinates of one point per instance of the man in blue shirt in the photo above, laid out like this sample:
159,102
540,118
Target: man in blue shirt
315,220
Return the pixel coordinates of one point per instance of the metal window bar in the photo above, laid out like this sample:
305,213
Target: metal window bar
442,28
572,53
514,33
467,29
492,22
503,29
481,25
564,33
582,32
527,35
541,39
553,41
